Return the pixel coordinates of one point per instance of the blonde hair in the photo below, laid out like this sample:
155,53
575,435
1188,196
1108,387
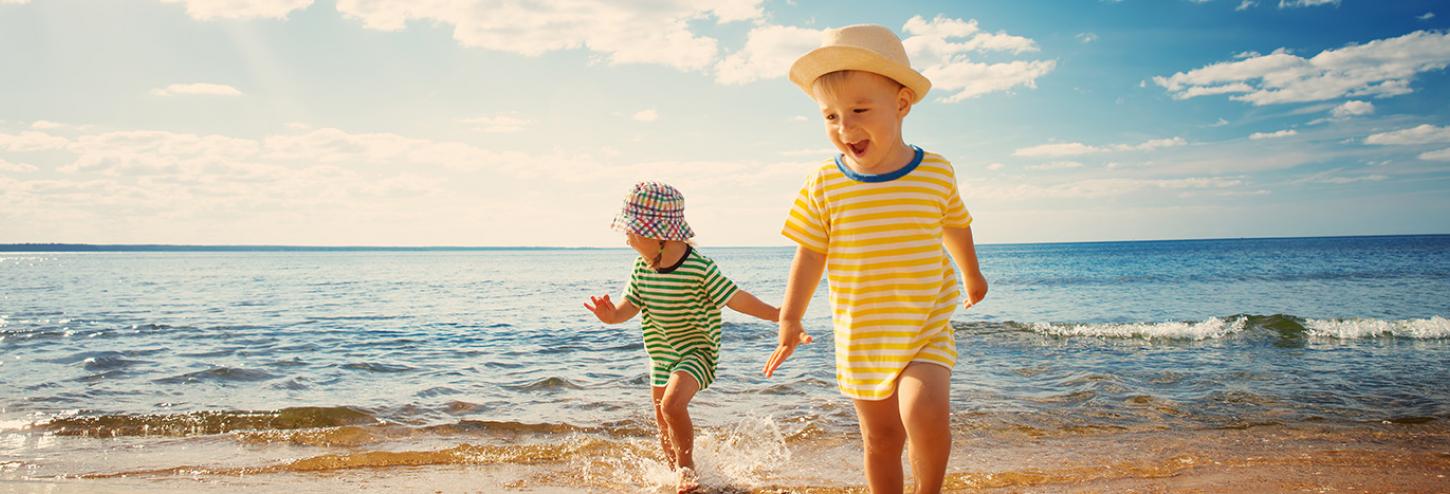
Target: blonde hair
831,83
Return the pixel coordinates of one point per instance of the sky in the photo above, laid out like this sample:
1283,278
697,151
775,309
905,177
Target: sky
501,123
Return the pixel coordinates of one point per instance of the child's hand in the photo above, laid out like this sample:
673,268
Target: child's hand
791,335
976,287
603,308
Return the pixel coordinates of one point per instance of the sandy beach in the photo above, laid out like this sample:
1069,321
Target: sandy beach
1374,458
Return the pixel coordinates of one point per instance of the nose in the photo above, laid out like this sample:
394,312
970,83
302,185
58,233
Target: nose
846,129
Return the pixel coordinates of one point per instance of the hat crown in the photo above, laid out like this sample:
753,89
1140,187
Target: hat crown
869,37
654,210
863,47
655,198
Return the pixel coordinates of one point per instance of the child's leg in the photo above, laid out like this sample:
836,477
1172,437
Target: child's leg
674,408
924,391
882,436
658,396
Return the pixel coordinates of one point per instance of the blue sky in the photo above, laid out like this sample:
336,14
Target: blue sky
391,122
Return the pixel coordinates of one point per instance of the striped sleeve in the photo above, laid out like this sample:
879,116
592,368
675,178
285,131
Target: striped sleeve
631,291
955,214
717,288
807,223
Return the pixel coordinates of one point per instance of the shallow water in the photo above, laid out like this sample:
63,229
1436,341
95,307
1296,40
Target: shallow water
223,366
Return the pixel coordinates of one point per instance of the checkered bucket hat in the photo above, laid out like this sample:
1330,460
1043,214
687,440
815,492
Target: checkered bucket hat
654,210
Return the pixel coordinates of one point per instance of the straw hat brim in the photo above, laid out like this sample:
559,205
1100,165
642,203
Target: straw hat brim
827,59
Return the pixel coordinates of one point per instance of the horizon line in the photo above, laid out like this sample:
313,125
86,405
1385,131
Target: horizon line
82,247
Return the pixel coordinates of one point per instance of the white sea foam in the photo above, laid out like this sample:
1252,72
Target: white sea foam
1211,328
746,453
1348,329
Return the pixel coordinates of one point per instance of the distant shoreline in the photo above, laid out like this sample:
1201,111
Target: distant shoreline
68,247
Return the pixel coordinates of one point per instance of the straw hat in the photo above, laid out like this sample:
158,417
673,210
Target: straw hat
864,47
654,210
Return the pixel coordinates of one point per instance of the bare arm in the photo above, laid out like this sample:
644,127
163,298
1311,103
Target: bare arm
745,303
958,242
805,274
608,313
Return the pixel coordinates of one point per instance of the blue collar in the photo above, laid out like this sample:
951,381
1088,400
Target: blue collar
884,177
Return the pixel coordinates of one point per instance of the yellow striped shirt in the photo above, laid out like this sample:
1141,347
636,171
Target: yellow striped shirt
892,285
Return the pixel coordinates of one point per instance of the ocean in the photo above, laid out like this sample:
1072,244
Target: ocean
1090,366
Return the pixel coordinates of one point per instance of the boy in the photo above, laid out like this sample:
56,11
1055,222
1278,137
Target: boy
878,216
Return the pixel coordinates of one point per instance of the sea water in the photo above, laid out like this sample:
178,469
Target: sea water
315,369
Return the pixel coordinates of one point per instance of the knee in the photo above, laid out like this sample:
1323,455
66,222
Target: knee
887,439
927,416
674,408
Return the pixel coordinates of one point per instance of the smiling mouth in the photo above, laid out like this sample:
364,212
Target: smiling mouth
859,148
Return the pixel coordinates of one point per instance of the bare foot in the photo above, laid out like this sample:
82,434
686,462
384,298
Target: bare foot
689,482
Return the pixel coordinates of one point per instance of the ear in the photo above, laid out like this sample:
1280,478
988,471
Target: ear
904,97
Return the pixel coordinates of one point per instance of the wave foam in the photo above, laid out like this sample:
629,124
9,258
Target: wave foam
1435,327
1211,328
1347,329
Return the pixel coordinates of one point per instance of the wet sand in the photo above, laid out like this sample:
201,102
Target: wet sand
1367,458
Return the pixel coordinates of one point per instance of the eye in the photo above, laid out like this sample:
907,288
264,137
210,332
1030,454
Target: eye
831,117
862,110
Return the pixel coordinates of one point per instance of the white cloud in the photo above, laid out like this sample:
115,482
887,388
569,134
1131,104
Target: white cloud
1306,3
1426,16
196,89
497,124
6,166
1086,38
970,80
333,186
656,32
942,48
995,166
1220,123
204,10
648,115
1381,68
1352,108
335,146
1094,188
1245,5
1423,134
1350,180
1152,144
31,141
1258,136
1058,149
1078,148
1332,177
1441,155
150,152
645,33
14,2
1056,165
769,50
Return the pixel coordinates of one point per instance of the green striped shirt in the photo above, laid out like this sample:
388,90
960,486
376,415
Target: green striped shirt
680,311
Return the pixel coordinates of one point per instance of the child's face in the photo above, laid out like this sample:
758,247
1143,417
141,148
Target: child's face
644,246
863,117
